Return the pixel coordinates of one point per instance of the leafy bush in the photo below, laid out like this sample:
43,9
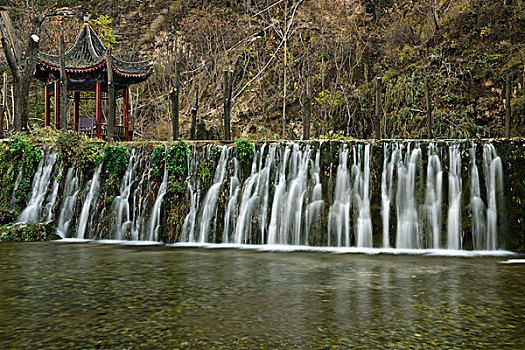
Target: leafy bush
157,159
177,158
115,160
244,151
67,144
204,172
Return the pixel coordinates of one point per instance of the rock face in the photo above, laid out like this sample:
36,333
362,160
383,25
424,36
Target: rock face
413,194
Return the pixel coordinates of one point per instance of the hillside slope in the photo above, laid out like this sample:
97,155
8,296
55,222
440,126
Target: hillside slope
466,48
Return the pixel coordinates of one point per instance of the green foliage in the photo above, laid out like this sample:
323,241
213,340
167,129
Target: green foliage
18,156
67,144
244,151
177,158
157,159
115,161
105,31
204,172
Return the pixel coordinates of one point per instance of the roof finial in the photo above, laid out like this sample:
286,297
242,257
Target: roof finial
86,18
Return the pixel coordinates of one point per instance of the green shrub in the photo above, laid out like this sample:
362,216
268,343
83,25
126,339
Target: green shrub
157,159
244,151
115,160
204,172
177,158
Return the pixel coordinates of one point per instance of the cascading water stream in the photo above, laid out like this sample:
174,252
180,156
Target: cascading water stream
433,197
477,206
282,201
15,188
362,195
32,213
155,224
454,196
90,202
67,210
407,234
209,207
339,215
49,210
121,207
315,206
387,188
493,171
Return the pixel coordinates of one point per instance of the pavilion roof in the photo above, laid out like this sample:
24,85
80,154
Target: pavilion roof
88,54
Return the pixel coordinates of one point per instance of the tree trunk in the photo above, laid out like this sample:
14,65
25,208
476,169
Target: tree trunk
429,110
194,111
507,107
63,85
378,108
307,109
227,104
21,65
111,97
174,94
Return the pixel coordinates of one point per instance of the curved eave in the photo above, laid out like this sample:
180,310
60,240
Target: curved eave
120,72
71,70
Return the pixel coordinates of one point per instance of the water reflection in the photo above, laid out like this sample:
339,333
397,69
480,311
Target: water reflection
109,296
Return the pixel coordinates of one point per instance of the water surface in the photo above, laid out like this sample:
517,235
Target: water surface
86,295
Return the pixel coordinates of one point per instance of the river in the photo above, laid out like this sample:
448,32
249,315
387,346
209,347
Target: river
112,296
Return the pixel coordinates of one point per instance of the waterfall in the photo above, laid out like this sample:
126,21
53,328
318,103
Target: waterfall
231,205
155,224
194,190
209,206
138,203
32,213
90,202
477,206
362,194
278,198
69,202
15,188
339,214
121,206
454,197
493,171
249,200
50,206
407,235
290,197
387,188
433,197
315,206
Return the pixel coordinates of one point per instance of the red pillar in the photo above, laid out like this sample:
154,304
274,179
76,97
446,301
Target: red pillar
98,98
57,105
125,113
76,106
47,106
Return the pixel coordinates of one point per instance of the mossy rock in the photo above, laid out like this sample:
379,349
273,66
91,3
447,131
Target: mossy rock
28,233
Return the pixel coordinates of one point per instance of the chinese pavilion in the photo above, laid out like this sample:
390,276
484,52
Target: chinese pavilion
87,72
